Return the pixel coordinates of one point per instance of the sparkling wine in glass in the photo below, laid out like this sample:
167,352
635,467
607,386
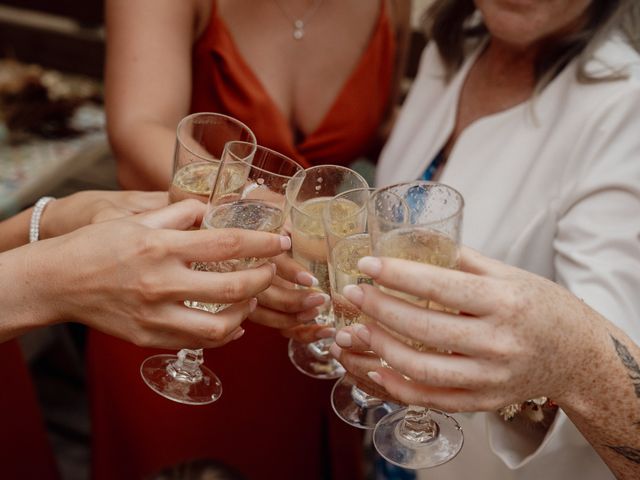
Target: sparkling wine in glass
201,138
309,249
345,223
250,194
422,222
200,141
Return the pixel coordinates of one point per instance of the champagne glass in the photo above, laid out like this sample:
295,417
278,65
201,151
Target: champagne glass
345,225
200,141
429,232
201,138
309,249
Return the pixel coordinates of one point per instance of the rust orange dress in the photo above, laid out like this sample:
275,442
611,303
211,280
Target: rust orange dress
25,451
272,422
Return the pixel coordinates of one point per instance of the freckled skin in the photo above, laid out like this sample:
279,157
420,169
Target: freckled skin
526,337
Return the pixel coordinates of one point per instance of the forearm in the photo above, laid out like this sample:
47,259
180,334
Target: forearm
24,306
606,407
145,156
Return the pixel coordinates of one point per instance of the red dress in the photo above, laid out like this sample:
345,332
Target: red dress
272,422
24,448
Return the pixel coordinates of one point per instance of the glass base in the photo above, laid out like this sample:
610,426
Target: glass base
395,446
314,360
355,407
160,374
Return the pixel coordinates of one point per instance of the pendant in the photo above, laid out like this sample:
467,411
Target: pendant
298,29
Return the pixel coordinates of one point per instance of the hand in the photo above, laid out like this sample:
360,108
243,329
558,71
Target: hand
67,214
519,337
129,277
290,309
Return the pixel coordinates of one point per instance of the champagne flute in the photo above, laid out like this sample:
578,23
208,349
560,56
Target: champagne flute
429,232
308,247
200,141
345,225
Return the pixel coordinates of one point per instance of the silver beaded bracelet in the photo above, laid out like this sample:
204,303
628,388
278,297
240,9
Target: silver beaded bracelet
36,214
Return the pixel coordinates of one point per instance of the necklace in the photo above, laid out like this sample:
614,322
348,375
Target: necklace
299,23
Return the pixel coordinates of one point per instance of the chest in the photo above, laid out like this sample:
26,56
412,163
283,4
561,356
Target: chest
302,76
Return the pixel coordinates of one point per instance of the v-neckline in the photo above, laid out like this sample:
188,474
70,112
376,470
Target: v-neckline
336,101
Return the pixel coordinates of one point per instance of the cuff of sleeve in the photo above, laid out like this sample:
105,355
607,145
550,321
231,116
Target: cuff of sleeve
518,444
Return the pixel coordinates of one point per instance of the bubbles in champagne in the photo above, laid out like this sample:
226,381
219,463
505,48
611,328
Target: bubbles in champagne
344,271
419,245
245,214
194,180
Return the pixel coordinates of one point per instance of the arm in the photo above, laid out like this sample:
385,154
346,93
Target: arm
129,277
148,85
521,336
67,214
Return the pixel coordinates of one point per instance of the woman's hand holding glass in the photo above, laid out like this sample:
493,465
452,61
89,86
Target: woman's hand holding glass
511,318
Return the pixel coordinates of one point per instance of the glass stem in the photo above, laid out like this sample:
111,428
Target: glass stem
362,399
187,367
418,426
320,348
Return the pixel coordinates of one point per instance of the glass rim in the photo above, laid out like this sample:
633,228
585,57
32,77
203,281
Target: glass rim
293,203
256,148
191,116
458,211
325,211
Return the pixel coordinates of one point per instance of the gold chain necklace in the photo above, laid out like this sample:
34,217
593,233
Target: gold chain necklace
299,23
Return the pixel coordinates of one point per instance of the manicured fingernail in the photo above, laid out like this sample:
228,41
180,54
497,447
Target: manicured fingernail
238,334
316,300
362,333
343,339
326,333
253,304
372,266
285,242
306,279
335,351
375,376
354,294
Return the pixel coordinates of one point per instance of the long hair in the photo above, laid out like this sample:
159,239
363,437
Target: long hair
453,24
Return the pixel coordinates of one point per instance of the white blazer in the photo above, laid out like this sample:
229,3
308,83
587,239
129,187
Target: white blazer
551,186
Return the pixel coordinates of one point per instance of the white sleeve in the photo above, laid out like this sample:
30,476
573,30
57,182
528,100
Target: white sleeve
597,253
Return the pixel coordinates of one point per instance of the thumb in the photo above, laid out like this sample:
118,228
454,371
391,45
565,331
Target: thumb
179,216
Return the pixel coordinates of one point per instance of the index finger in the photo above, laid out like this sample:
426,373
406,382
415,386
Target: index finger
453,289
224,244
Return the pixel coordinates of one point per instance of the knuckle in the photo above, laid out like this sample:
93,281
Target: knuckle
234,290
230,243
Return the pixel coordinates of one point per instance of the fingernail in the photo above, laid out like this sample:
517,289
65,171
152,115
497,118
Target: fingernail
335,351
285,242
326,333
253,304
238,334
274,267
354,294
375,376
307,315
362,333
372,266
316,300
306,279
343,339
